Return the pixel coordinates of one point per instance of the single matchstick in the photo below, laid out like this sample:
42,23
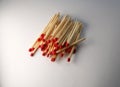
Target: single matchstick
73,48
74,43
33,52
53,58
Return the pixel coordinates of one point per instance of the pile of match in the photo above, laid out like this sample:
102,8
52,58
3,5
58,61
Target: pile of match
60,37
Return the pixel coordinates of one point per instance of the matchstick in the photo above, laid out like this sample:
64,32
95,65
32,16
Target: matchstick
73,48
53,58
74,43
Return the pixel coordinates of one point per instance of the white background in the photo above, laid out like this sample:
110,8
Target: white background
96,63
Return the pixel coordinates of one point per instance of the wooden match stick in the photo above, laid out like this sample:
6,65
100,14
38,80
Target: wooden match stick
74,43
33,52
53,58
71,52
73,48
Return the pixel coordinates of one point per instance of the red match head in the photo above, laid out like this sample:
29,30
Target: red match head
69,50
39,46
53,52
48,41
68,60
56,39
31,49
47,55
43,40
39,39
56,48
43,47
56,44
62,54
32,54
50,53
44,54
42,35
53,59
74,51
67,44
60,46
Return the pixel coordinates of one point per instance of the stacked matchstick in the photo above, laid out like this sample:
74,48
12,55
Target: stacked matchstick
59,38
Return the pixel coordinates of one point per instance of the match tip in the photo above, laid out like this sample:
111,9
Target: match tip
50,53
56,44
53,59
56,39
49,41
56,48
67,44
47,55
43,47
39,39
53,52
44,54
43,40
42,35
60,46
74,51
68,60
39,46
62,54
32,54
69,50
31,49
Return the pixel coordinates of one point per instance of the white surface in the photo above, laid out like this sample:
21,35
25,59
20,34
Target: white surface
96,63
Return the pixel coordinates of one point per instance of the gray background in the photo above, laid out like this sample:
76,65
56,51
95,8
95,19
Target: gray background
96,63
